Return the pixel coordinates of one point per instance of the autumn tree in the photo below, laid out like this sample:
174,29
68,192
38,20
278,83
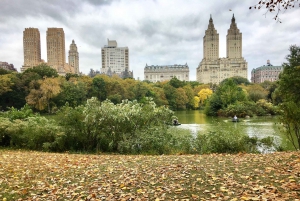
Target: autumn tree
289,84
6,83
275,6
204,94
40,97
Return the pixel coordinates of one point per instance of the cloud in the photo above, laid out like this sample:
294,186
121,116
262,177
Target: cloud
161,32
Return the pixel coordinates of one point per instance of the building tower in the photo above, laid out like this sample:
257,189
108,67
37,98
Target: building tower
115,60
31,47
213,69
211,42
234,41
56,48
74,57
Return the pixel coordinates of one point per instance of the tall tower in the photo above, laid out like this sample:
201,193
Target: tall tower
56,47
32,48
115,60
211,42
234,41
74,57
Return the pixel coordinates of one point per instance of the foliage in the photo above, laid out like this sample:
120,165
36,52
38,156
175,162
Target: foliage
98,88
72,92
116,128
48,89
180,177
13,113
232,141
5,83
204,94
35,133
289,84
43,71
238,80
176,83
226,94
256,92
249,108
275,6
4,71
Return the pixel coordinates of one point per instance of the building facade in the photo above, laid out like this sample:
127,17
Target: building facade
115,60
56,52
213,69
31,48
74,57
56,56
266,73
163,73
7,66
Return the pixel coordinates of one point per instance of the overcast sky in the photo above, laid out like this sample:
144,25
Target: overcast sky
157,32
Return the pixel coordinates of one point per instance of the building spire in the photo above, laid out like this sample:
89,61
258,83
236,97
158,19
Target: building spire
233,19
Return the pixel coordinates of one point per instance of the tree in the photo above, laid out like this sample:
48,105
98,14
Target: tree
174,82
228,93
275,6
289,84
204,94
181,98
98,88
40,98
43,70
5,83
256,92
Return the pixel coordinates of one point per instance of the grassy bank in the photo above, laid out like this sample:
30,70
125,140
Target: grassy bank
28,175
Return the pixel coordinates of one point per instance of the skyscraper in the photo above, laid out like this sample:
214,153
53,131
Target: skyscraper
56,57
31,47
74,57
213,69
115,60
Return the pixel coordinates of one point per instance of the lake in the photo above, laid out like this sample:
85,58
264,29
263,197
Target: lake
261,127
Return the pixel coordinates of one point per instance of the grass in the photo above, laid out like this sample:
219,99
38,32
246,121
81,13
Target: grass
28,175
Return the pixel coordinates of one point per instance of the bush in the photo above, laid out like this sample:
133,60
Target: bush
218,141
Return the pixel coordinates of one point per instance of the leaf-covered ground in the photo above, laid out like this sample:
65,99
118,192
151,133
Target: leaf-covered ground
28,175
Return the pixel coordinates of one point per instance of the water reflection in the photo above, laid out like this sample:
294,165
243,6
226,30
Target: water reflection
260,127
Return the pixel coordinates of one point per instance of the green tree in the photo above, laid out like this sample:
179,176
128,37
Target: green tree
226,94
98,88
175,82
43,70
256,92
72,92
289,84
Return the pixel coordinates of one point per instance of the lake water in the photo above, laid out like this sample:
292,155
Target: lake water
261,127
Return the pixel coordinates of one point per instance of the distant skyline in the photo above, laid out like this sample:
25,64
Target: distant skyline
156,32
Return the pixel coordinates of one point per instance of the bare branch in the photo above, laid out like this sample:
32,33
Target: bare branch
275,6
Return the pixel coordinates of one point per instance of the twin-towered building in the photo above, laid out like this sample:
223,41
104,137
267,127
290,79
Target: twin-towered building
56,53
213,69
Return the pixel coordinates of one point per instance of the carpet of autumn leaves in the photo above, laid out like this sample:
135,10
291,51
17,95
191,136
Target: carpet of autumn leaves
26,175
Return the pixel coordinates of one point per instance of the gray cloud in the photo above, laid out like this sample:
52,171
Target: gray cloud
160,32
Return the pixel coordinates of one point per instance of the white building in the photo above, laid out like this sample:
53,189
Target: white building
213,69
166,72
115,60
